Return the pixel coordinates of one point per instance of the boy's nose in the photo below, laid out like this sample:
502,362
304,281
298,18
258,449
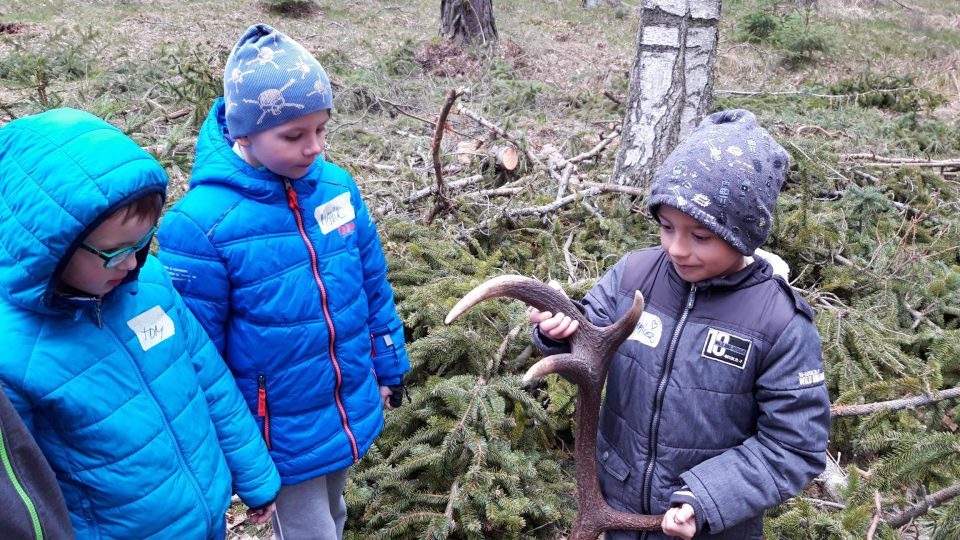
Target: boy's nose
678,249
129,263
315,147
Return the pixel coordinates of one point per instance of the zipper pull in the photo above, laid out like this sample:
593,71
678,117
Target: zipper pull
291,195
261,396
692,296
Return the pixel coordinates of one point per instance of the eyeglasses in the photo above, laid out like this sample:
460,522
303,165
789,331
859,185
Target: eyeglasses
113,259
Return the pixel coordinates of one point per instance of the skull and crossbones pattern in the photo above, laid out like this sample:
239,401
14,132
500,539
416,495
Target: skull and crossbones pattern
272,101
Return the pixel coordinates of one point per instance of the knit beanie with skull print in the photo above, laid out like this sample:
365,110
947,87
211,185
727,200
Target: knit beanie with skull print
269,80
727,175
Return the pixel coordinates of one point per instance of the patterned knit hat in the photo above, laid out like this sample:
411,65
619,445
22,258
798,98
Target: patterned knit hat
269,80
727,175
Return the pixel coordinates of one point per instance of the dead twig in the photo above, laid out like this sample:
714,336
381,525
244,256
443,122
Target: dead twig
441,200
426,192
893,404
876,516
936,499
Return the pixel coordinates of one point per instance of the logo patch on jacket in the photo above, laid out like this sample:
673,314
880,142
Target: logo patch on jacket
648,330
332,214
726,348
152,327
809,377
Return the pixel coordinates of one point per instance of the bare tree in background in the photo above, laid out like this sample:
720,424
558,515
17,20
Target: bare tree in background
468,21
670,83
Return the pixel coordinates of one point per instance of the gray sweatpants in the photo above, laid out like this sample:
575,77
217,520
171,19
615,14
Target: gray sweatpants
312,510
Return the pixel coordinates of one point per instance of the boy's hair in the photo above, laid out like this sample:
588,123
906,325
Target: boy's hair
269,80
145,208
727,175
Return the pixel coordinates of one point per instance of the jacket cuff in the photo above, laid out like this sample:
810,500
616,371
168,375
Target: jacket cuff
390,381
685,496
548,343
262,506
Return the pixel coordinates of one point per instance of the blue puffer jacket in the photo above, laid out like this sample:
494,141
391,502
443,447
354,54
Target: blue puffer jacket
125,394
289,279
717,399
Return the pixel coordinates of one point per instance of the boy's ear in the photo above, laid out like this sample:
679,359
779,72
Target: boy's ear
243,141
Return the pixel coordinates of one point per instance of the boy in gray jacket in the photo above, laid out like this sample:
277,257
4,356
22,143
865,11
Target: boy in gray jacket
716,407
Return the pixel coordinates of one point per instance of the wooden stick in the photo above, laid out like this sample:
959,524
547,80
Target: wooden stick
441,200
426,192
893,404
899,520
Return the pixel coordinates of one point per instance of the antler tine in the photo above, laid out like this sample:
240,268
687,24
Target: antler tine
610,337
528,290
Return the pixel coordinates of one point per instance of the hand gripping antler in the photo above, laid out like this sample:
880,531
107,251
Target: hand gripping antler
587,363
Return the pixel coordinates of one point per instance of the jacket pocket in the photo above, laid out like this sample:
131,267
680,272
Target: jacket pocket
263,409
613,473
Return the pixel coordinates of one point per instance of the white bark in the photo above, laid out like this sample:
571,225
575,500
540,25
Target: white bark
670,83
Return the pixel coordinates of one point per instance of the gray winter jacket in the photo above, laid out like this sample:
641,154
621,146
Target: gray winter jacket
719,392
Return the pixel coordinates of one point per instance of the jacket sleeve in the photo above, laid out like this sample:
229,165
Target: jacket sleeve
27,478
599,305
390,359
788,450
255,477
197,271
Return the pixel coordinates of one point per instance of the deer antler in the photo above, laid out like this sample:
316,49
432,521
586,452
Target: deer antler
587,363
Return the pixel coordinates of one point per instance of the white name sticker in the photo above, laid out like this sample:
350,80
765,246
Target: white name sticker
152,327
648,330
335,213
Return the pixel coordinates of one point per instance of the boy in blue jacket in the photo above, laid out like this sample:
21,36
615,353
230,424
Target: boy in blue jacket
121,387
276,254
715,406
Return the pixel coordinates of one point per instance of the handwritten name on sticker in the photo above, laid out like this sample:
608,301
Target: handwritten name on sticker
152,327
331,215
648,330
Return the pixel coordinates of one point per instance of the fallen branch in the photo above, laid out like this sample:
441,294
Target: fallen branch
502,133
530,211
595,151
615,188
498,192
441,200
893,404
876,516
936,499
805,93
426,192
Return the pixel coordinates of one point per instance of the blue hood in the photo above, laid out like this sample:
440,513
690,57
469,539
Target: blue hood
55,189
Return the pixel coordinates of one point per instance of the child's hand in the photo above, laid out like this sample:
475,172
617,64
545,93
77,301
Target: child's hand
261,515
385,393
557,326
679,521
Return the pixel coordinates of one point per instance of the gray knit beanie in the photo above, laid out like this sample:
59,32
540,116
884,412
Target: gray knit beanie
727,175
269,80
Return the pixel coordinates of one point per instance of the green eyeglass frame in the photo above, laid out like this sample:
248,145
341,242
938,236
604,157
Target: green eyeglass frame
113,259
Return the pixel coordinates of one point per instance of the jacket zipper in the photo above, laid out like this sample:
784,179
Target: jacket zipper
645,494
295,207
263,410
12,475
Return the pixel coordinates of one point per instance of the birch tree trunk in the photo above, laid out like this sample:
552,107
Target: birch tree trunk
670,84
468,21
